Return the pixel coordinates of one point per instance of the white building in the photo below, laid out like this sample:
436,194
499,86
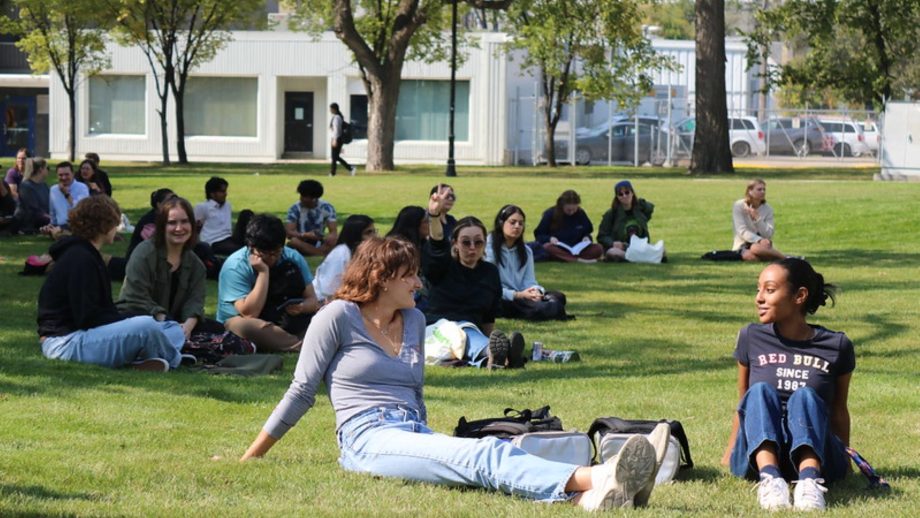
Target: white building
265,96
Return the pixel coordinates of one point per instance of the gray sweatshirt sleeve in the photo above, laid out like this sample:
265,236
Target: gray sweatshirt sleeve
322,341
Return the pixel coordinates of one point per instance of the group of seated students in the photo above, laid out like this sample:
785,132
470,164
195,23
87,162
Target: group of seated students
367,342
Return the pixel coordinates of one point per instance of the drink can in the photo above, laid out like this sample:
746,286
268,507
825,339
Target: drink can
537,351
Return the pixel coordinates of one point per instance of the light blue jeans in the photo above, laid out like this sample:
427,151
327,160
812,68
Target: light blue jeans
119,343
476,345
803,423
391,441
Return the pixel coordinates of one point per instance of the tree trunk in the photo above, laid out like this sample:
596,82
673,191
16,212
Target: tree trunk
72,116
179,100
382,96
164,131
711,148
549,138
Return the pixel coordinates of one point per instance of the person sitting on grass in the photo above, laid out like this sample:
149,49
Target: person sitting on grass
752,218
15,174
33,212
7,209
146,226
77,320
265,291
412,225
793,382
565,231
627,216
164,278
522,297
328,278
61,198
308,219
214,218
366,347
97,181
465,288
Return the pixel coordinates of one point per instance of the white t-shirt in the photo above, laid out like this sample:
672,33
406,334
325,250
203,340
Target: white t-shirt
329,273
216,221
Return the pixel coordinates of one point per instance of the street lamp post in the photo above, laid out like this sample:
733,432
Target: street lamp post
451,165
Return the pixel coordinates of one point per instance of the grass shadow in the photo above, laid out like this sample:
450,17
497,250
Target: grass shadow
41,493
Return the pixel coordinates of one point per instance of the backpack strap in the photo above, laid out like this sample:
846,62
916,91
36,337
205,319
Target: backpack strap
604,425
677,431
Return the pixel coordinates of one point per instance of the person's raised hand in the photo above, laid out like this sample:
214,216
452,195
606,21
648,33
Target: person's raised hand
437,200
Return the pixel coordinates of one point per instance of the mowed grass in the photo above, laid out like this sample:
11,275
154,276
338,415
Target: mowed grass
656,342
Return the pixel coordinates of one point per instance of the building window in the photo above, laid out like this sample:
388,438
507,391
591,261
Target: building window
357,112
116,105
423,112
221,106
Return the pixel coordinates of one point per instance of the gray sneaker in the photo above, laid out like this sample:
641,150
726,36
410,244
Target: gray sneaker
659,439
616,482
352,170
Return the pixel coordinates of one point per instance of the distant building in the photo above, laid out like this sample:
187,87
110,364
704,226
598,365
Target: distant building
265,96
23,103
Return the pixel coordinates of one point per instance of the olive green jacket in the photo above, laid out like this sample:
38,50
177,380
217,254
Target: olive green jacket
613,224
146,287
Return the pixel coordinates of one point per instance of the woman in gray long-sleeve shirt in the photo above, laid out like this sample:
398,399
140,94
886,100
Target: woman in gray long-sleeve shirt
367,348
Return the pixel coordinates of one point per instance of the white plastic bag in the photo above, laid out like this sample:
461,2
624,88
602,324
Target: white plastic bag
444,341
640,251
569,447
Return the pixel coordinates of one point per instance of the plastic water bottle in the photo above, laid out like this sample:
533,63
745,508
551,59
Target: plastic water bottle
537,351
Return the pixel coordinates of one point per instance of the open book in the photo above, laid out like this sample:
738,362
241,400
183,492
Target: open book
574,249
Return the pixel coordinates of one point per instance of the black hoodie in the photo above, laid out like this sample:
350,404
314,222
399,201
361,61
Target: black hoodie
77,294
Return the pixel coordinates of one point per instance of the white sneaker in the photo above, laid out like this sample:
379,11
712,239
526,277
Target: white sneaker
352,169
616,482
659,440
773,493
809,495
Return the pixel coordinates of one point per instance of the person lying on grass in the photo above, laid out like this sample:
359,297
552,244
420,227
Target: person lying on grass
793,380
366,346
77,320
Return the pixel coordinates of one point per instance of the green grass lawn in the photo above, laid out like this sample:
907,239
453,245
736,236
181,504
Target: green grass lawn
656,341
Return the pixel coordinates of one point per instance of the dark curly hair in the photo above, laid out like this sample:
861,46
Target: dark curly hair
94,216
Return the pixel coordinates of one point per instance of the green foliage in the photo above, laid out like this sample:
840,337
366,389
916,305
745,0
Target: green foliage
655,341
65,36
860,50
674,18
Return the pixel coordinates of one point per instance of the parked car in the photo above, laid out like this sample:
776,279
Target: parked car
651,120
873,137
619,139
744,135
797,136
848,136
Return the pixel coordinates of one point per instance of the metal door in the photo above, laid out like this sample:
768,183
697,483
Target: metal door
298,122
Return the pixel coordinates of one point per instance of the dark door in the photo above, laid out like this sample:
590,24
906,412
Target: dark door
298,122
18,125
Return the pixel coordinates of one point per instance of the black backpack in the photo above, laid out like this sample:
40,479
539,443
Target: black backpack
606,425
513,423
347,136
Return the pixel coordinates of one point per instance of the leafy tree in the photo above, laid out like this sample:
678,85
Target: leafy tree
177,36
595,47
674,18
381,35
861,50
64,36
711,151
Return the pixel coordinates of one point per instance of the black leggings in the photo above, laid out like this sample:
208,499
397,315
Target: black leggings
337,157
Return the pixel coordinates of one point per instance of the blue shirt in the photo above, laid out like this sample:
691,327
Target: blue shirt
514,275
311,220
60,206
237,279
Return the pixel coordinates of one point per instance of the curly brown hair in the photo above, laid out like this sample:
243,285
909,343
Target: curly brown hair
94,216
376,261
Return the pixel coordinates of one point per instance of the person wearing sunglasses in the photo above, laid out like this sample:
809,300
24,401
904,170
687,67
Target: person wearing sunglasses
522,297
265,291
565,231
627,216
465,288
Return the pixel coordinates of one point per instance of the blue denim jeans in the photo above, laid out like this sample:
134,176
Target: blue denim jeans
476,345
119,343
804,423
391,441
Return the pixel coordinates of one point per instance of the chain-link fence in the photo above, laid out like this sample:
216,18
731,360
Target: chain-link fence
660,131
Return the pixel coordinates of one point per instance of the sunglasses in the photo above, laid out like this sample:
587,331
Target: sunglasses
624,193
466,243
